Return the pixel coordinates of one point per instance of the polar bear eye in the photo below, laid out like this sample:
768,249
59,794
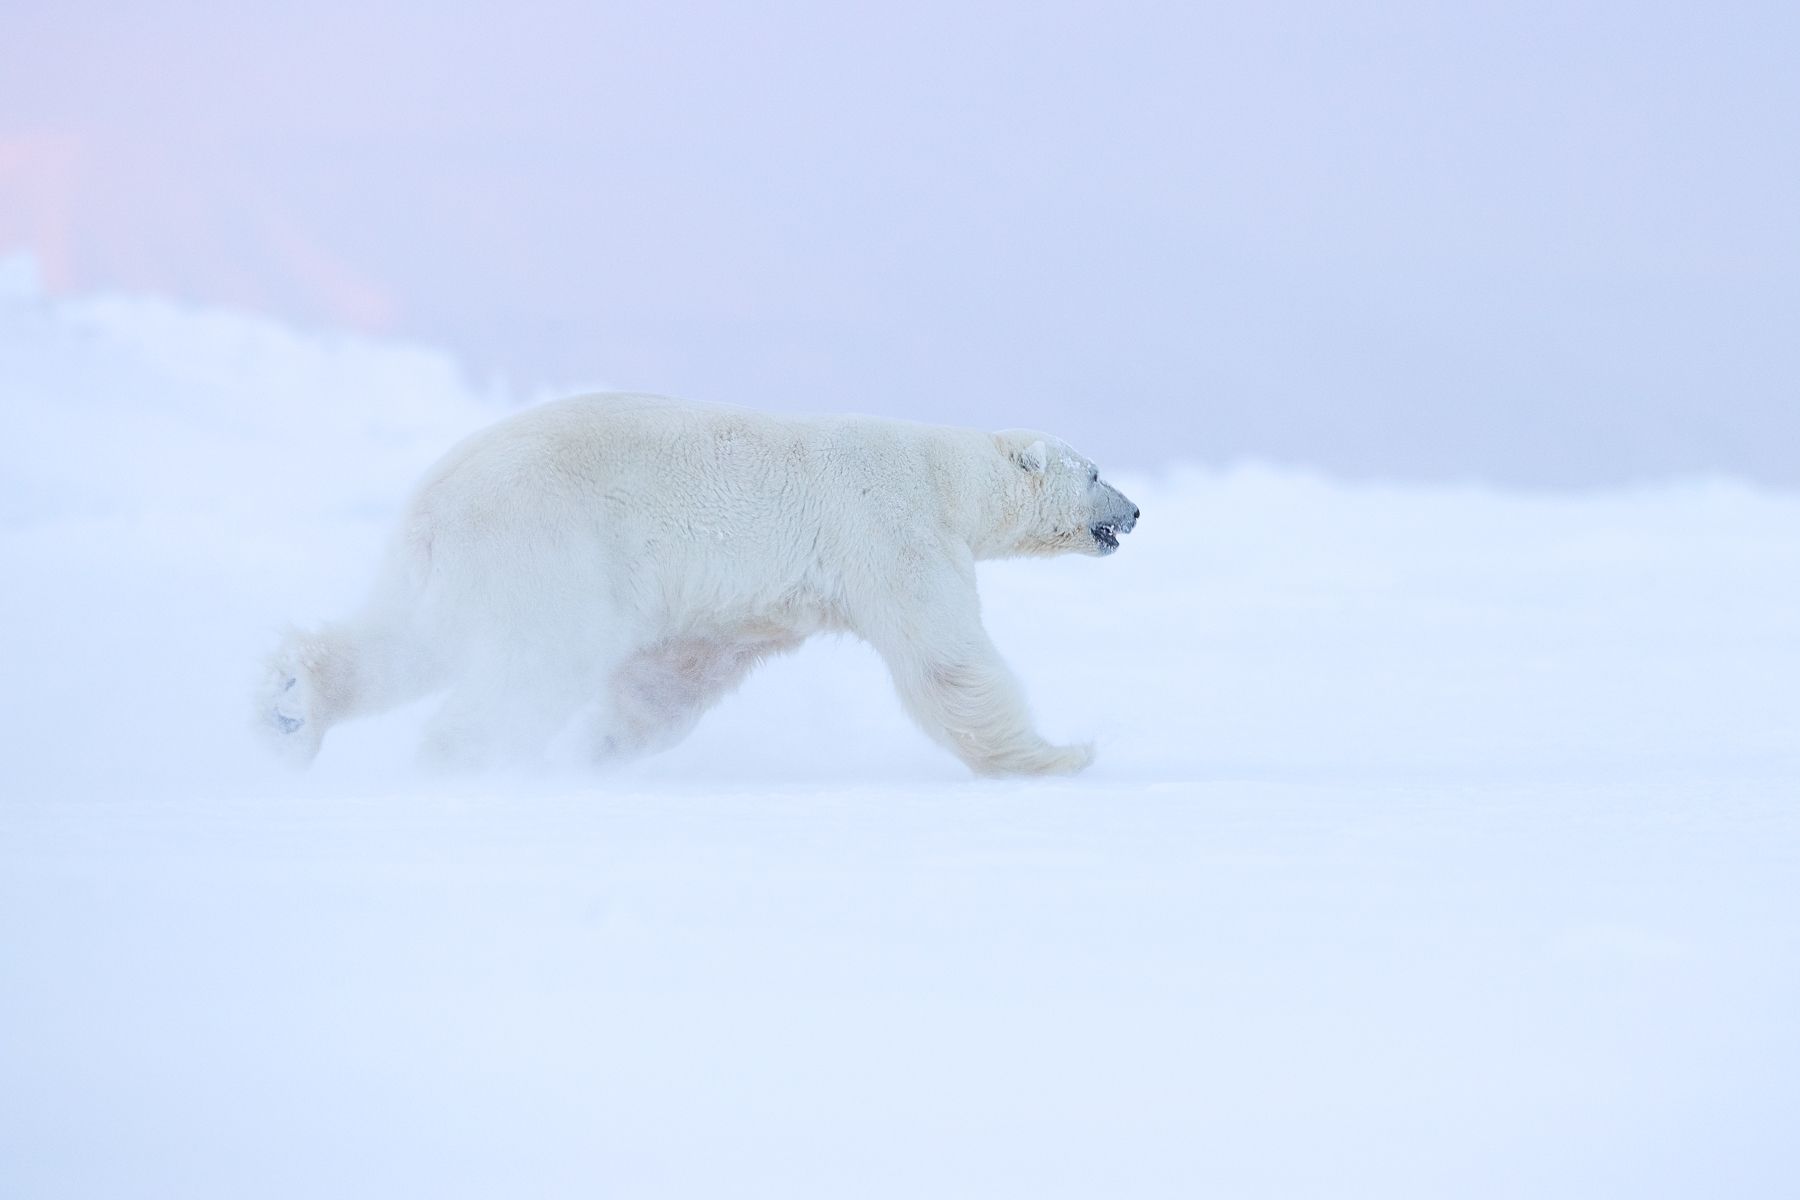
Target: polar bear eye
1093,474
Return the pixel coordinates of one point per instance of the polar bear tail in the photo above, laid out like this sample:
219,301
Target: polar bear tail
316,678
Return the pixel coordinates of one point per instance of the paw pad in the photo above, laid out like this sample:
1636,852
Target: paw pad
285,722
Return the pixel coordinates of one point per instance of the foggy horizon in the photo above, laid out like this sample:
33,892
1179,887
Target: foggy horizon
1525,245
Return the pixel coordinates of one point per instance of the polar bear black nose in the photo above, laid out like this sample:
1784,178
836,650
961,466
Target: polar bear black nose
1135,512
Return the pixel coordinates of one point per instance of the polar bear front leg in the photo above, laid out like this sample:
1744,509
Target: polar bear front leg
957,687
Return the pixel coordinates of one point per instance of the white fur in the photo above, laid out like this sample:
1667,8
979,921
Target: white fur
647,553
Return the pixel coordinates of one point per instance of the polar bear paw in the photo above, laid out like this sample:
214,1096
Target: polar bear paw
1067,760
287,714
284,711
1043,759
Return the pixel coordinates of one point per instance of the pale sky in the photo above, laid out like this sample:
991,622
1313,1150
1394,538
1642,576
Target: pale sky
1527,243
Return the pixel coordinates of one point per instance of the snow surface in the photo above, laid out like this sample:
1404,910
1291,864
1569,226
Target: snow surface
1442,843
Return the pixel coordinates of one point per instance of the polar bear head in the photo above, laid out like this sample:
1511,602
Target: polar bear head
1060,503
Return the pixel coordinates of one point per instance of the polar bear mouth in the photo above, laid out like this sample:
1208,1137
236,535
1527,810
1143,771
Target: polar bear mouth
1106,535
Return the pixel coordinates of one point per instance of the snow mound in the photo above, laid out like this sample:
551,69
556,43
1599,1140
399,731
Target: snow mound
1442,841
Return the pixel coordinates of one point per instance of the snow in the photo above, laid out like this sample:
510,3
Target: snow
1443,841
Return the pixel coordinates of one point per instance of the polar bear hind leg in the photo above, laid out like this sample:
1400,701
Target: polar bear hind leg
659,694
509,699
316,678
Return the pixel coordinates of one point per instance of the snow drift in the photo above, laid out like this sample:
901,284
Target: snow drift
1441,841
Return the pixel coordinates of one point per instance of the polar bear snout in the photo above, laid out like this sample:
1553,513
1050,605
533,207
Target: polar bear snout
1117,517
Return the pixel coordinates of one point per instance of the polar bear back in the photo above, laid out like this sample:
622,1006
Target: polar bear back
671,513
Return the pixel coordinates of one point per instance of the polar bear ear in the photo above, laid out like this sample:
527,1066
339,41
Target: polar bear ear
1034,457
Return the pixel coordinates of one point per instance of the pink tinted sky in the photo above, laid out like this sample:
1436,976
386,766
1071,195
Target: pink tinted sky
1541,243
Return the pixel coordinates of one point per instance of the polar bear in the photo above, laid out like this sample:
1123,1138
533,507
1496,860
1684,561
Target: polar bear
636,557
